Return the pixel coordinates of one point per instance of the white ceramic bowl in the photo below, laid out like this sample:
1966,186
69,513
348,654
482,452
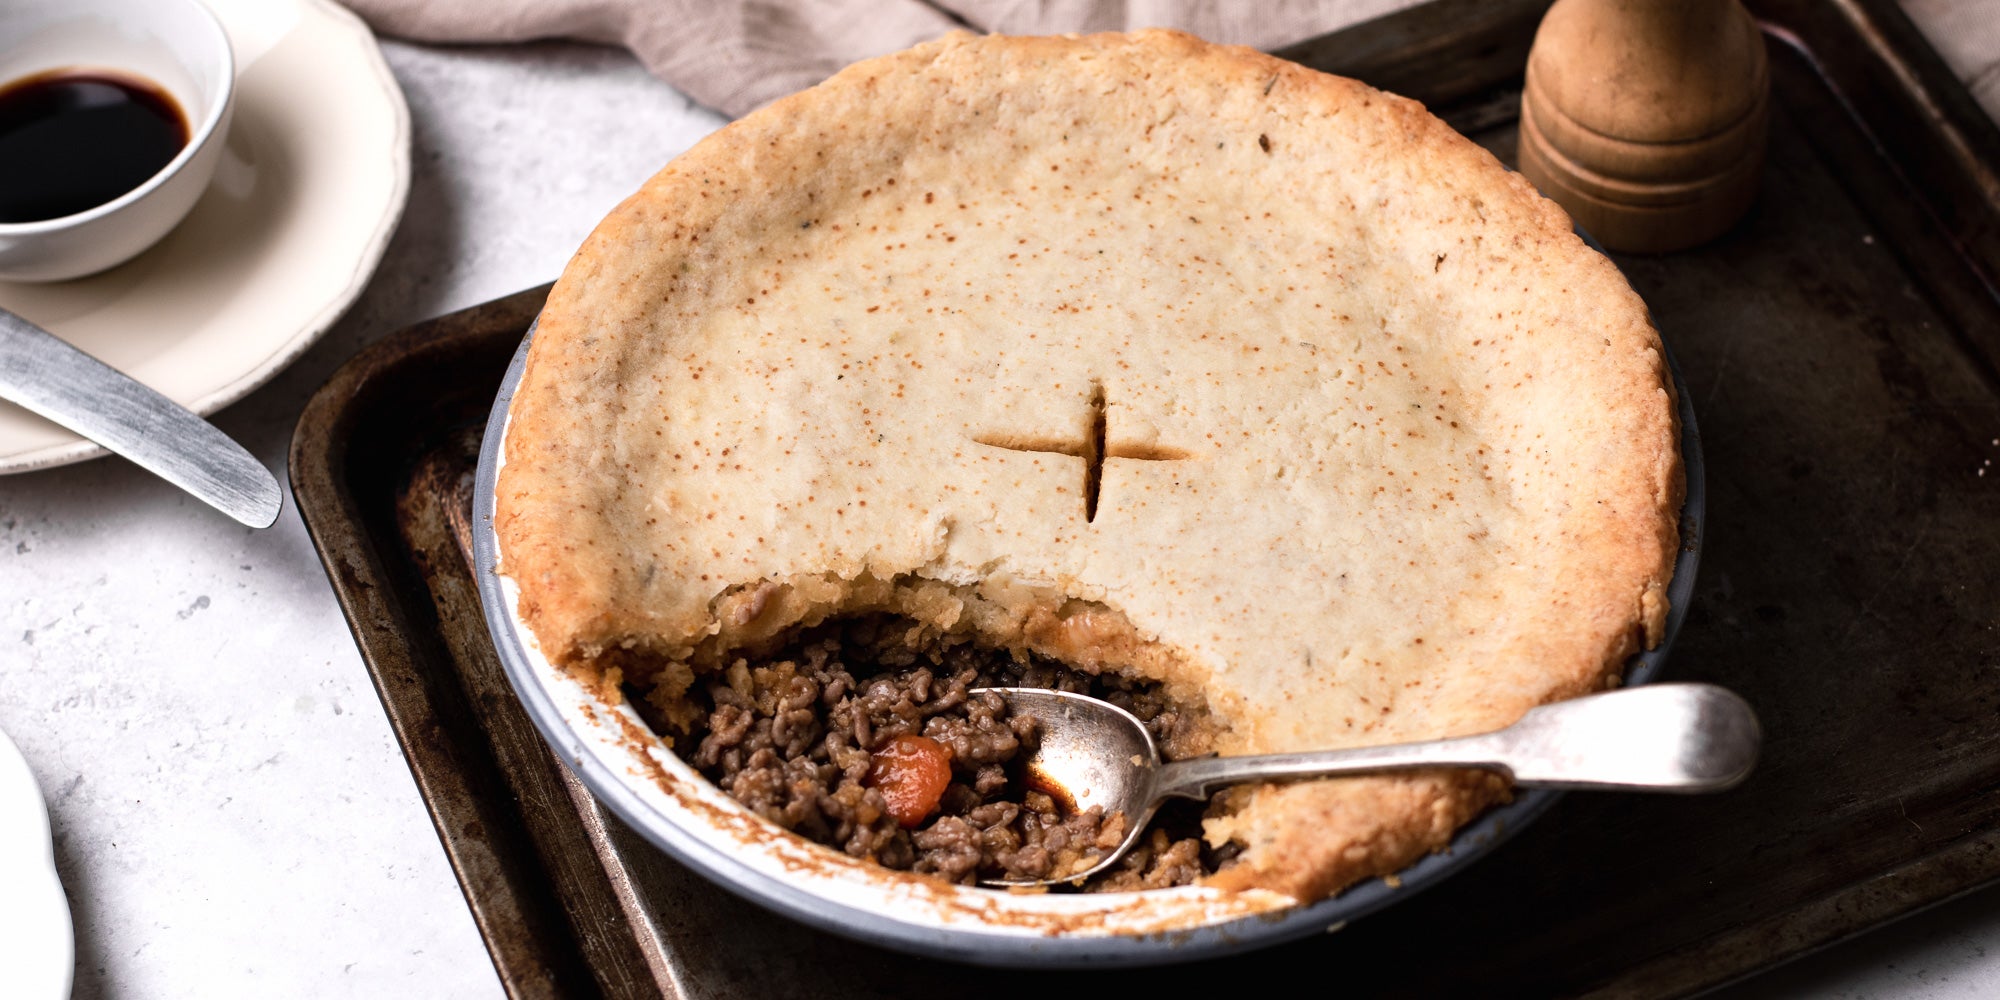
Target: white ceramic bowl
177,44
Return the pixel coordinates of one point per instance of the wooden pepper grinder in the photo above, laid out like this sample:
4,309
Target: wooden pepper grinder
1646,119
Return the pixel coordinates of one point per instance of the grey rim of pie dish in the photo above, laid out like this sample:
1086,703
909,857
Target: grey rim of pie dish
1486,832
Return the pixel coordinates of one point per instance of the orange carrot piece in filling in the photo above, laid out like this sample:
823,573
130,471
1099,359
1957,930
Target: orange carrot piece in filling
911,772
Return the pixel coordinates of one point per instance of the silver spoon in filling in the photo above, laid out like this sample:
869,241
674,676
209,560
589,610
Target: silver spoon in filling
1660,737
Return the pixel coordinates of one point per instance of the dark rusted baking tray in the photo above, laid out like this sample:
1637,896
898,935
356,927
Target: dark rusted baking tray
1841,346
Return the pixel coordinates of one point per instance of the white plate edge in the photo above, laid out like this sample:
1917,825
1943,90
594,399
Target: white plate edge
47,904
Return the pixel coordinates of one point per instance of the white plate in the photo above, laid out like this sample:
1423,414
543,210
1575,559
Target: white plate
311,184
37,951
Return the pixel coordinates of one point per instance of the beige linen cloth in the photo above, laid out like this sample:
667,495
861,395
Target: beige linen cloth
734,55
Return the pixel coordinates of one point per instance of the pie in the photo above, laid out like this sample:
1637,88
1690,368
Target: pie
1250,389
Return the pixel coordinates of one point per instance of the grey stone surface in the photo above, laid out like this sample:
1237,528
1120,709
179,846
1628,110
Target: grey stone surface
1967,34
231,814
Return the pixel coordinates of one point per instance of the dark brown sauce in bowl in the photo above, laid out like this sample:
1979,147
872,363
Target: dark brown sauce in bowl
71,140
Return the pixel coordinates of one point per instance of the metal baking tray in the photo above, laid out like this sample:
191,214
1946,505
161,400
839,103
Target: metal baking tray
1840,346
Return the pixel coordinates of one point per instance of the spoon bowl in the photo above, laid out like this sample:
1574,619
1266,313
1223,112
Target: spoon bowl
1663,737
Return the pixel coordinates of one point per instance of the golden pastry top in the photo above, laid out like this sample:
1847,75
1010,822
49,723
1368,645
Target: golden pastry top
1322,413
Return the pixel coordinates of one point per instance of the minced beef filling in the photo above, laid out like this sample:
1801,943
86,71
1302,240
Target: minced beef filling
795,735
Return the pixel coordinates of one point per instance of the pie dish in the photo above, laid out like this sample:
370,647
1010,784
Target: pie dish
1154,358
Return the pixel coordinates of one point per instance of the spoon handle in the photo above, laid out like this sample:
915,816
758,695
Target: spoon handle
51,378
1659,737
